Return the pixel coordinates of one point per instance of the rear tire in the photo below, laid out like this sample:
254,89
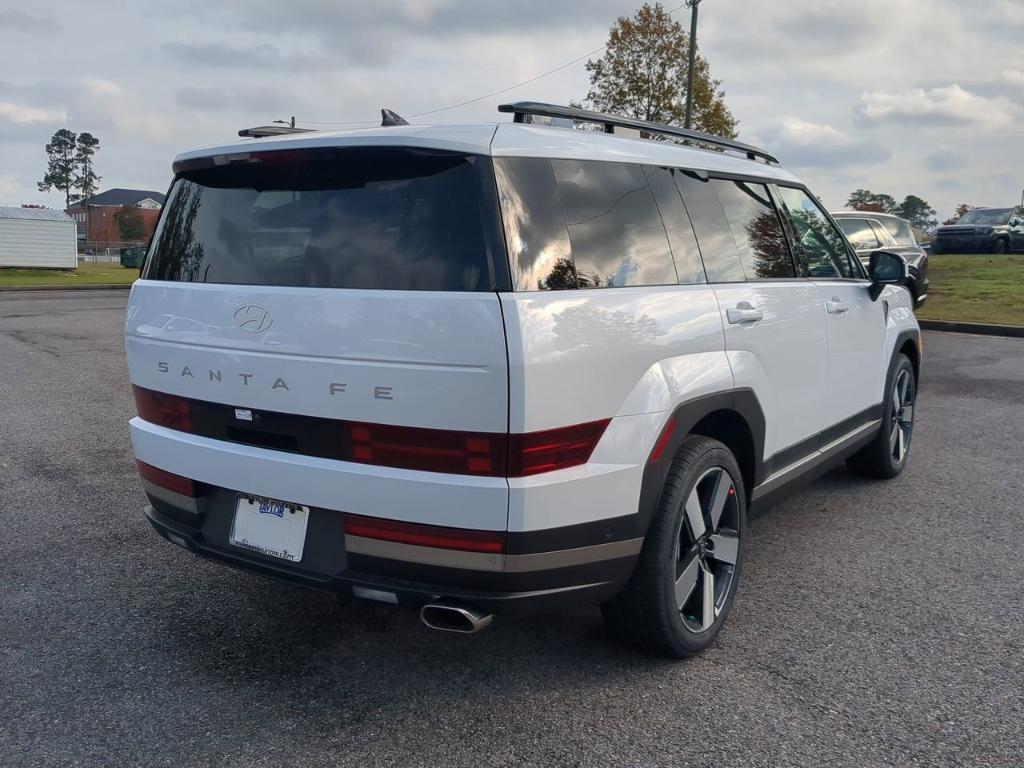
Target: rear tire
688,571
886,455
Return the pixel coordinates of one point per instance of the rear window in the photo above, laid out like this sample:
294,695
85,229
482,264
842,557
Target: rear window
376,218
756,229
717,246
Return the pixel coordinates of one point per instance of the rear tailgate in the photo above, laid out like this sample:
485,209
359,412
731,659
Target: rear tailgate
288,303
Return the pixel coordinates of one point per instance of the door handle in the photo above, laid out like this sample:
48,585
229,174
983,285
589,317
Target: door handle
836,306
743,313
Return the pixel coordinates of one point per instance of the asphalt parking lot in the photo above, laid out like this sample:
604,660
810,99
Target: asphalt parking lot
877,623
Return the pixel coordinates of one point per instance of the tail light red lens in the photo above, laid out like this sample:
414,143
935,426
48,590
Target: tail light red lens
488,454
429,450
162,409
492,542
535,452
167,480
663,438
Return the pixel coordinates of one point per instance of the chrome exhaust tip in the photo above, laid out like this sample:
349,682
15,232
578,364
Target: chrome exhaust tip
448,617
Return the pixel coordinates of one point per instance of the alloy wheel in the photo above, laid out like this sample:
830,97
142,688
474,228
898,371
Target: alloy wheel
707,549
902,422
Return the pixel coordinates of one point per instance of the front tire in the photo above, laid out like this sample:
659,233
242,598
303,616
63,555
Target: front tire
886,455
688,571
1000,246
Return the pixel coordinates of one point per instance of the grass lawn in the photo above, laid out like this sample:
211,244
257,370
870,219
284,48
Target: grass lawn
86,274
977,288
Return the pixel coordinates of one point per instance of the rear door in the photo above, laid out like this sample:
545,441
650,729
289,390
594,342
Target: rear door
856,324
774,320
355,285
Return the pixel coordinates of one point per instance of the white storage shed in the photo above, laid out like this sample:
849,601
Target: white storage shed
37,237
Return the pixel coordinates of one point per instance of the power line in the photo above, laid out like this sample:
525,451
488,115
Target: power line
474,100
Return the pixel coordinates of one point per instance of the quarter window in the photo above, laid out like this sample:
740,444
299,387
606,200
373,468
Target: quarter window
756,229
538,241
821,246
616,232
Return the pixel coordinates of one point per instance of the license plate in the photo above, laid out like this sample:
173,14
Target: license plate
270,527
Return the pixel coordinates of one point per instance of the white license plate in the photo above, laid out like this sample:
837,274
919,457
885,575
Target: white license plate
270,527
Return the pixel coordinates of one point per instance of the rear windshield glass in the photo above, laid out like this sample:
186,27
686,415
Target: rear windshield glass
384,218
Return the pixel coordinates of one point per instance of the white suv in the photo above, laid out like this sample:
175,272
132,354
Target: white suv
472,367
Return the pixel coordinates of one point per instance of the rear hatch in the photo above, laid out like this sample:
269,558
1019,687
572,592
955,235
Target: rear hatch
296,295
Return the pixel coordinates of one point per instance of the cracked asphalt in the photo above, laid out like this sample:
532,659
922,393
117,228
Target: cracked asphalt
877,623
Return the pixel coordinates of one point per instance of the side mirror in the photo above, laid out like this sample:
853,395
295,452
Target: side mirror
885,268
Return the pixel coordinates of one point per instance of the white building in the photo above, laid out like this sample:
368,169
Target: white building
37,237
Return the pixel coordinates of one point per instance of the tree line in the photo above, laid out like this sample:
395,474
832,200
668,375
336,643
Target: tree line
70,159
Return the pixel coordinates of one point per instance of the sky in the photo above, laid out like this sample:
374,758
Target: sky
920,97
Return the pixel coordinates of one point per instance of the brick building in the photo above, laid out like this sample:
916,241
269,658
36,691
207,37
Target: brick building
96,217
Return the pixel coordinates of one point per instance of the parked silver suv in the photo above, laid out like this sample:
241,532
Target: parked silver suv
868,231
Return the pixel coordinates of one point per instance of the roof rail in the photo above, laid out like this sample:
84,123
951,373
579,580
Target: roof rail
262,131
523,109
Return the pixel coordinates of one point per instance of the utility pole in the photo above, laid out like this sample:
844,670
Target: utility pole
692,5
290,124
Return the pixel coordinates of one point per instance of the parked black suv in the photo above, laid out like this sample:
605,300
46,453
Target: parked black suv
983,230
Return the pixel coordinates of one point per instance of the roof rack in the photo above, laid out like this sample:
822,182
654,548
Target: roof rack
524,109
262,131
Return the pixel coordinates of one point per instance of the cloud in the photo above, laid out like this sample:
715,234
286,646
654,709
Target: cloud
22,22
16,113
263,56
950,105
804,144
111,103
943,159
1012,76
9,189
214,98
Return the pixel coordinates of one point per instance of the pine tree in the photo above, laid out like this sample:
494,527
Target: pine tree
86,180
60,165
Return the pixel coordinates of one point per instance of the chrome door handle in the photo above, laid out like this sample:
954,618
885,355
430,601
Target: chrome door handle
743,313
836,306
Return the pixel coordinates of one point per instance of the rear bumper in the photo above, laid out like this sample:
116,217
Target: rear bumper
331,562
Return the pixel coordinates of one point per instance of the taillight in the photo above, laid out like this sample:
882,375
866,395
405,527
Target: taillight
162,409
492,542
167,480
429,450
535,452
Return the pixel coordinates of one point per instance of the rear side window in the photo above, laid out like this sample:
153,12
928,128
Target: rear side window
717,246
822,247
615,229
756,228
683,242
535,231
859,232
377,218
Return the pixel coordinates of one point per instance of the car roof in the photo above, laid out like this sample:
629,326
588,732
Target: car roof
509,140
866,215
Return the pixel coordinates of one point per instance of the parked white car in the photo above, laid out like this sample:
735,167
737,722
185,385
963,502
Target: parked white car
513,364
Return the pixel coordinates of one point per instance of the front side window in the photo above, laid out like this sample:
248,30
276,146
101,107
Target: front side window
373,218
615,229
821,246
986,216
756,228
859,233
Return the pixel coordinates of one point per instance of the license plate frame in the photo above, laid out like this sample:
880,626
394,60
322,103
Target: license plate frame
269,527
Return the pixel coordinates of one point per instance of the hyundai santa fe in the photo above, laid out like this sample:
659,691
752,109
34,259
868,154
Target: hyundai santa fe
468,368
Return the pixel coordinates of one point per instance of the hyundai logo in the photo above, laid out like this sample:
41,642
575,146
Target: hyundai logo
252,318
